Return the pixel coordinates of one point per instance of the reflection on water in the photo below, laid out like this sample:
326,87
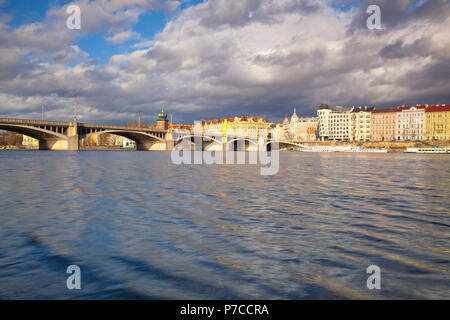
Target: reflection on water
141,227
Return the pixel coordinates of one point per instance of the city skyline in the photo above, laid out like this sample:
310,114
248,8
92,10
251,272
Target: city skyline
355,124
201,59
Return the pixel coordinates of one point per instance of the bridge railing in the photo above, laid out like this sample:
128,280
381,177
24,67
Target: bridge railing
102,126
36,122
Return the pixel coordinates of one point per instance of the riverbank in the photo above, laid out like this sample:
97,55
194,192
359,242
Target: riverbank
391,146
81,148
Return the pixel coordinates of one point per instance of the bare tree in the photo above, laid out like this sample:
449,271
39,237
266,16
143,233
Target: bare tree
114,140
11,139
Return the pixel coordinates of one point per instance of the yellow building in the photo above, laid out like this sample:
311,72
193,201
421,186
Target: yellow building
437,122
237,126
92,140
30,142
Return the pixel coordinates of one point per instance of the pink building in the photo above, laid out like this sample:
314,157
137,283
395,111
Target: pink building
383,124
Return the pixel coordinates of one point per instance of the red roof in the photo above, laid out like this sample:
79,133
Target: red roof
407,108
438,108
246,119
427,109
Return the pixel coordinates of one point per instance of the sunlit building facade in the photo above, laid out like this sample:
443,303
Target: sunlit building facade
237,126
383,124
437,122
300,129
335,124
323,115
30,142
410,123
361,123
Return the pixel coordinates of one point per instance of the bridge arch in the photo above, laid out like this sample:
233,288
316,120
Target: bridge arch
193,136
48,140
144,140
205,144
249,144
283,143
34,132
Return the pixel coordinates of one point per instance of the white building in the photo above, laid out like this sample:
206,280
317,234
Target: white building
361,123
335,124
127,143
410,123
323,115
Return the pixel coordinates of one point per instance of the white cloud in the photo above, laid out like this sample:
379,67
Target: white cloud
123,36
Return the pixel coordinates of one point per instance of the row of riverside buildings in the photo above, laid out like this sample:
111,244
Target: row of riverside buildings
331,124
343,124
393,124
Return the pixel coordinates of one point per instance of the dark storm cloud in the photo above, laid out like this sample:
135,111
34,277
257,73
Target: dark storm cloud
435,10
398,13
399,50
434,76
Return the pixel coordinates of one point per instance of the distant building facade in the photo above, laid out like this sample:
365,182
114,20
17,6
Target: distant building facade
300,129
437,122
237,126
323,115
410,123
383,124
405,123
127,143
361,123
30,142
335,124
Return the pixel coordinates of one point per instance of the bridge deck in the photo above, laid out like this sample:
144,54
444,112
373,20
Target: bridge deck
79,124
110,127
34,122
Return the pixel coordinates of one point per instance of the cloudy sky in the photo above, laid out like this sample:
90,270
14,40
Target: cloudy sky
219,58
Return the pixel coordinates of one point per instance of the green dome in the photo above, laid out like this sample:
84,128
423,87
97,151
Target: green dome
162,115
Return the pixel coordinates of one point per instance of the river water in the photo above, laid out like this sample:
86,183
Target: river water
139,226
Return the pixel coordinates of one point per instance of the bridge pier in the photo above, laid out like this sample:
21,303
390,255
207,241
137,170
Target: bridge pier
150,146
71,143
170,144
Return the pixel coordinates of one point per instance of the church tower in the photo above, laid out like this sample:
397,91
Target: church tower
294,117
162,122
286,120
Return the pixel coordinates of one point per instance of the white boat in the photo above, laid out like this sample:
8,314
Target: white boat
350,149
428,150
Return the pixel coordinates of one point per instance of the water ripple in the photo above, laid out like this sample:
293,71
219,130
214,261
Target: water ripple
141,227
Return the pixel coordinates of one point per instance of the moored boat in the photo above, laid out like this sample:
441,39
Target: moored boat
345,149
428,150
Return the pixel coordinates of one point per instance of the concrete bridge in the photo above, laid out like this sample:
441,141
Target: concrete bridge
57,135
224,143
